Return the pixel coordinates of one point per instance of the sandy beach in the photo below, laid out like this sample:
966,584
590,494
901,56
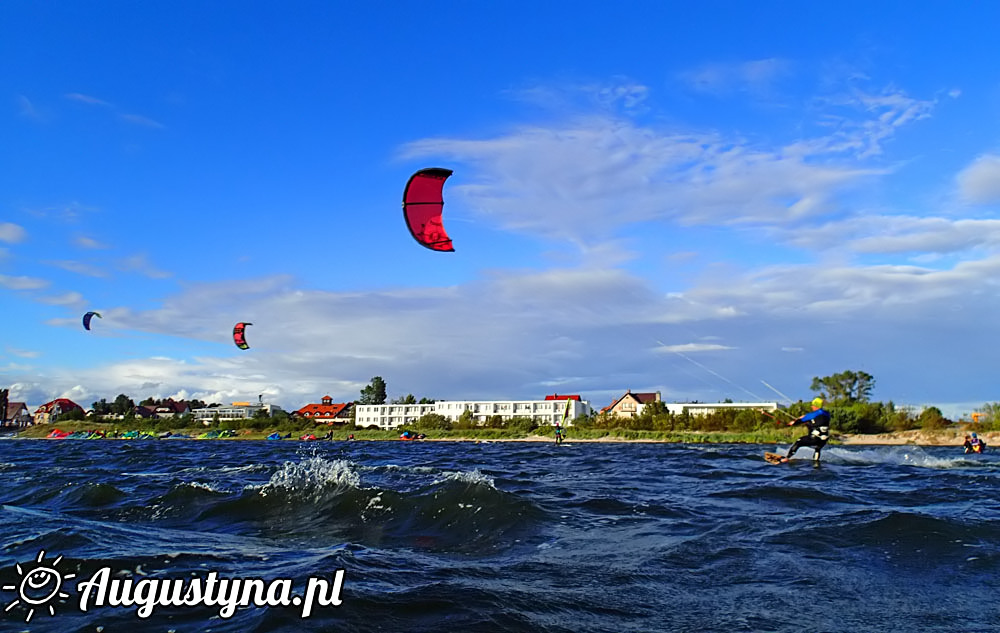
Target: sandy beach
920,438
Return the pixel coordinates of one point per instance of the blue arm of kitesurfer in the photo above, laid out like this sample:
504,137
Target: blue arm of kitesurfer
805,418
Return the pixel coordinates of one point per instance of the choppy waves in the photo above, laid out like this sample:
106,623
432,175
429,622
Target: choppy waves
522,537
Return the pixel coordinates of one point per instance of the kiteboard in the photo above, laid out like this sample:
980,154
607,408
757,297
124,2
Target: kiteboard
773,458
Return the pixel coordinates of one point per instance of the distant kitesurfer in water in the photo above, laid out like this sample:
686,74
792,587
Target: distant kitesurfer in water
974,445
818,423
559,434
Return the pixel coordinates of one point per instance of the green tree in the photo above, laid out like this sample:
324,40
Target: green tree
991,413
465,421
374,393
845,387
407,399
122,405
932,419
72,414
101,407
185,421
432,422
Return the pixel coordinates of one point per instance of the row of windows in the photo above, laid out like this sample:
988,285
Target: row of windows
397,420
518,407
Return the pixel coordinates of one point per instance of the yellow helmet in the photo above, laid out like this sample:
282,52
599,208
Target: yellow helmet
817,402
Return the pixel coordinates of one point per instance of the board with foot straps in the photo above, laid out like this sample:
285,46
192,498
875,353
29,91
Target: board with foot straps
773,458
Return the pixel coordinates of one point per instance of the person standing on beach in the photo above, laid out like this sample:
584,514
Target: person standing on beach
818,423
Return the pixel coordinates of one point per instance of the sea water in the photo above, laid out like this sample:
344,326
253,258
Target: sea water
496,536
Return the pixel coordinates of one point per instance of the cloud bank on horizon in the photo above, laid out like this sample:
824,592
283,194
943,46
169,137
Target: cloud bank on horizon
712,224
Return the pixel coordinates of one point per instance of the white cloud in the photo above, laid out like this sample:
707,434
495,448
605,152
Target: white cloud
140,120
87,99
620,94
523,333
694,347
79,268
755,76
586,181
898,234
863,137
89,243
23,353
22,283
70,212
66,299
12,233
27,108
134,119
140,264
979,183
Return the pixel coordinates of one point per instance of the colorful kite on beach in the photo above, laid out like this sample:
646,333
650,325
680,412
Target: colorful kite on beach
238,336
87,317
423,204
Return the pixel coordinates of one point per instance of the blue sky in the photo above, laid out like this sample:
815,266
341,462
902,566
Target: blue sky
647,196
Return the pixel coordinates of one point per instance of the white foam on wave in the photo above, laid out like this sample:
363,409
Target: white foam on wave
313,473
896,456
466,476
403,469
201,485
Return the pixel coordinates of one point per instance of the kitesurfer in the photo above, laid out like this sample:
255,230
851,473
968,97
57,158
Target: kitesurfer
559,434
818,423
973,444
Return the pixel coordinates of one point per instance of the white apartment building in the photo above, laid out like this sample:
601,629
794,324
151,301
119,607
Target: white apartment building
390,416
706,408
238,411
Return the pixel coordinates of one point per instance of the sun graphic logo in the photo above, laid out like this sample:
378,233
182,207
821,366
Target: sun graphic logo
41,584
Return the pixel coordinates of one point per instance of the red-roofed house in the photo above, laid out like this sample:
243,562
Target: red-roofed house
328,412
556,396
45,413
170,408
631,404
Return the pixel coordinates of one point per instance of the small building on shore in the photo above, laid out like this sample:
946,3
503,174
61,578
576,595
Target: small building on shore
707,408
327,411
17,415
630,404
238,411
51,410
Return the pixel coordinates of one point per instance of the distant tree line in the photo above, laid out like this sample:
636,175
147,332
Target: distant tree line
846,396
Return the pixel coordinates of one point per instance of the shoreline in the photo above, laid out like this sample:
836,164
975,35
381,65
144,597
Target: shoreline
903,438
949,437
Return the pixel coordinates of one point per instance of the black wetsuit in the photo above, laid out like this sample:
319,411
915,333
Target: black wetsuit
975,446
818,423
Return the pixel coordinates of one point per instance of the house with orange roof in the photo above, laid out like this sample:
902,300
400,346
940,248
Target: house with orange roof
328,411
631,404
48,411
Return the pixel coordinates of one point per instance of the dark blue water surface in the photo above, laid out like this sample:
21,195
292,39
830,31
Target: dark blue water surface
512,536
